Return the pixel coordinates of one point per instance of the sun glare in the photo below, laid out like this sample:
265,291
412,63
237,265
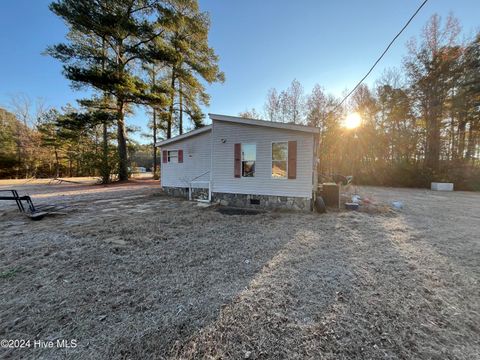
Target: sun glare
352,121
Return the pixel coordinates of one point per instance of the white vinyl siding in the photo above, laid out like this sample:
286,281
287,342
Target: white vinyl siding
196,161
226,134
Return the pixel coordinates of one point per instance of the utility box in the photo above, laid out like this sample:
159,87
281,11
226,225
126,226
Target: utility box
436,186
330,192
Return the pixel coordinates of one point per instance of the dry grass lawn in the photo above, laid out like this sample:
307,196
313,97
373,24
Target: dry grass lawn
132,274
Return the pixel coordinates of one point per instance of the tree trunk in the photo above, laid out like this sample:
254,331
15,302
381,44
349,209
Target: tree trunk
18,151
471,141
154,142
105,171
57,164
105,168
452,146
154,127
180,97
122,143
461,138
121,128
433,134
170,109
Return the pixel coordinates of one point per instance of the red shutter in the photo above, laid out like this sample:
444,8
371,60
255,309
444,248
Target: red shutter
180,156
237,162
292,159
164,156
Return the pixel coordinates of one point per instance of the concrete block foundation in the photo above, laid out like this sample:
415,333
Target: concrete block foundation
176,191
263,201
246,200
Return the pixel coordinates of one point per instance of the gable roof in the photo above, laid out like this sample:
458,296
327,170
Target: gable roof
240,120
186,135
257,122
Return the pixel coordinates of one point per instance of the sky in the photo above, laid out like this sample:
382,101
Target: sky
261,44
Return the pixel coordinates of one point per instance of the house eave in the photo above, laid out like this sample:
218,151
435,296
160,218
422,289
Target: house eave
185,136
265,123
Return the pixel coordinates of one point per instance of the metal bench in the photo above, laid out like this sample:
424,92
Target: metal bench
30,210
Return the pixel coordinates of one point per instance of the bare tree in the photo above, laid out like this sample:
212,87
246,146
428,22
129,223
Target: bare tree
27,110
272,105
250,114
284,106
29,113
296,102
317,107
21,105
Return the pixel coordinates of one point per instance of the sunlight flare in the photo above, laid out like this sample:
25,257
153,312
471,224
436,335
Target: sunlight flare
352,121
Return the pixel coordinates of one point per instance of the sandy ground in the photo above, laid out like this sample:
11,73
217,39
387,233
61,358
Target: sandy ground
132,274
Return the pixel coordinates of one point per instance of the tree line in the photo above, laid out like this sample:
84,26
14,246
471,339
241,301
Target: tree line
420,123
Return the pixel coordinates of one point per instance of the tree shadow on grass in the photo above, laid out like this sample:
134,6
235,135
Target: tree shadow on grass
341,287
194,283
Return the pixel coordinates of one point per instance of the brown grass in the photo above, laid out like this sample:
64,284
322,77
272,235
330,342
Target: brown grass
132,274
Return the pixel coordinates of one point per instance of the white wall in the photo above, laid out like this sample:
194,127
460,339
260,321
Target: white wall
196,161
262,183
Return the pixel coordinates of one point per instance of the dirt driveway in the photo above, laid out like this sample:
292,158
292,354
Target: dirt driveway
132,274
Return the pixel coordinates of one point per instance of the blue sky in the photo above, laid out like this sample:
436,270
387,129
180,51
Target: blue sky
261,44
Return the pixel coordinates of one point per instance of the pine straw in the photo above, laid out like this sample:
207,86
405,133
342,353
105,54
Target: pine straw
192,283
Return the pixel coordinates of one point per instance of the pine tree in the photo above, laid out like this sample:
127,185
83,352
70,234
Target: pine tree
470,89
194,61
128,28
154,79
429,68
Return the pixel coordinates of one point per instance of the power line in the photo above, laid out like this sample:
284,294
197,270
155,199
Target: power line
381,56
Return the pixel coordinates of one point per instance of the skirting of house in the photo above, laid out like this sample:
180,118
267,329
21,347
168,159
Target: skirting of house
176,191
247,200
263,201
197,193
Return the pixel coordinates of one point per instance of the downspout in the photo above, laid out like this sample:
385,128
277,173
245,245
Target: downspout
160,166
316,148
212,132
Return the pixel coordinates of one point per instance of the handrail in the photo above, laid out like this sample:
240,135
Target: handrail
205,173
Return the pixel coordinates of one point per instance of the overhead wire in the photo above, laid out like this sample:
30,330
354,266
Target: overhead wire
381,56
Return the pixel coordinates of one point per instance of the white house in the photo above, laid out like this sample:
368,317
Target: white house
243,162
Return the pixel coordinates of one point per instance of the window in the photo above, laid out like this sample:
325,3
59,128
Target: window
172,156
249,156
279,160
